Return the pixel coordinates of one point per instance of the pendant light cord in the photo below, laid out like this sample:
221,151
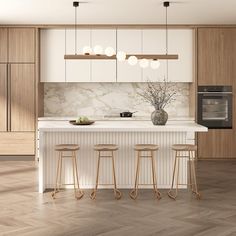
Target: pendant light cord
166,31
167,62
75,30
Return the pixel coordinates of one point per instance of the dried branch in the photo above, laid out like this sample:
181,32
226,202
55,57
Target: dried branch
159,94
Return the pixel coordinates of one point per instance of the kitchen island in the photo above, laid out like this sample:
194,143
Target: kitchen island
123,133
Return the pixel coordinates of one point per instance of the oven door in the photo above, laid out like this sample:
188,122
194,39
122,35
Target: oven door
215,110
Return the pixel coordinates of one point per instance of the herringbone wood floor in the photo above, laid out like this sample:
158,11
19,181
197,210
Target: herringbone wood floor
25,212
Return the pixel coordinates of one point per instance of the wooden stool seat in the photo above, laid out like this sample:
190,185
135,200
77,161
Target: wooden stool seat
109,150
150,149
67,147
105,147
71,148
184,151
146,147
184,147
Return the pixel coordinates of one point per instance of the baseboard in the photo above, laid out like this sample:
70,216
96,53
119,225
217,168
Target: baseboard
17,158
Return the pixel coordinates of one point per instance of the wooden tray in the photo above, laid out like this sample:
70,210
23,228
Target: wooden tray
73,122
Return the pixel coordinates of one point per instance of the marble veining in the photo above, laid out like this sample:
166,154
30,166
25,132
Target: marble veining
104,99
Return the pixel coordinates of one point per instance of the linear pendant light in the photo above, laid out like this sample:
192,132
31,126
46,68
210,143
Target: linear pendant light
114,57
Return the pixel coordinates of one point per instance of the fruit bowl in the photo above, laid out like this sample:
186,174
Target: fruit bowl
73,122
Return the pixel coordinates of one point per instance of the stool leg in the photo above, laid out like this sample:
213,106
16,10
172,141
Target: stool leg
60,171
80,192
56,189
93,194
117,193
190,171
134,193
194,178
173,179
73,167
154,178
177,182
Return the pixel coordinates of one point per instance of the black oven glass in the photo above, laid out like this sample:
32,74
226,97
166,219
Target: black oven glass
215,106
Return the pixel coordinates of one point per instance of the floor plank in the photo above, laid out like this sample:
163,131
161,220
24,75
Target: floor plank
26,212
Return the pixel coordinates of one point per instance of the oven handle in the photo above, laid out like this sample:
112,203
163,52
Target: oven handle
215,93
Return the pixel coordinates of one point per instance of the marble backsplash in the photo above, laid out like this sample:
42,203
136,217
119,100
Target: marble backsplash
105,99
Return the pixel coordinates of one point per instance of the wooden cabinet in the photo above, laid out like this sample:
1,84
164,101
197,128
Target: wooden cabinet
3,97
180,42
217,66
55,43
90,70
17,143
21,45
129,41
215,52
77,70
22,100
52,51
103,70
17,91
217,144
154,43
3,45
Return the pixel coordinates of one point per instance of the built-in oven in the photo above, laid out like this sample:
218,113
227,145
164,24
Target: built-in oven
215,106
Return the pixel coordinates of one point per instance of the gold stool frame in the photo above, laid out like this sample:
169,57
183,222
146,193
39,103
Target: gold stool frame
191,150
106,148
66,148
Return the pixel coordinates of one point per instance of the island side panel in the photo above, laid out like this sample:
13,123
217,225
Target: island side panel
125,159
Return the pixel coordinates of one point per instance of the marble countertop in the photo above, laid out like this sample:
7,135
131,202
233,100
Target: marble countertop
120,126
114,118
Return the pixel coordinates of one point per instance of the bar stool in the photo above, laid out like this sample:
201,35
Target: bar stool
106,148
73,148
180,152
151,148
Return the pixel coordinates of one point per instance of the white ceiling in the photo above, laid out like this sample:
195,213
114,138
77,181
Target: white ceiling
117,12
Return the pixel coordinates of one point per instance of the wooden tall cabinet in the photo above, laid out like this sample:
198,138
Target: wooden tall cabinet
3,97
22,109
217,66
17,91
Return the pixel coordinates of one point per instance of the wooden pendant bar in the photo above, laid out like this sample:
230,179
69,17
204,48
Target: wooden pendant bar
105,57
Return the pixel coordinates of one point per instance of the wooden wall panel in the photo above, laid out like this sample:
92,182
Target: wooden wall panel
3,97
21,45
3,45
22,97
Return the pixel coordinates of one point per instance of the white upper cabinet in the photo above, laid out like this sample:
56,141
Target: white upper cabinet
52,63
129,41
55,43
103,70
77,70
154,43
179,42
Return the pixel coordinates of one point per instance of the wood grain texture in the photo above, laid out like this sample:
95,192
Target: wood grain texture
22,97
3,97
215,54
3,45
217,66
21,45
26,212
17,143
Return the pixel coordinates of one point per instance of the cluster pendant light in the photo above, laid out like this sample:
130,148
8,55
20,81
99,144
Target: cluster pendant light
97,53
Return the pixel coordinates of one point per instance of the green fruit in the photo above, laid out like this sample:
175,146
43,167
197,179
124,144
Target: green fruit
82,119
